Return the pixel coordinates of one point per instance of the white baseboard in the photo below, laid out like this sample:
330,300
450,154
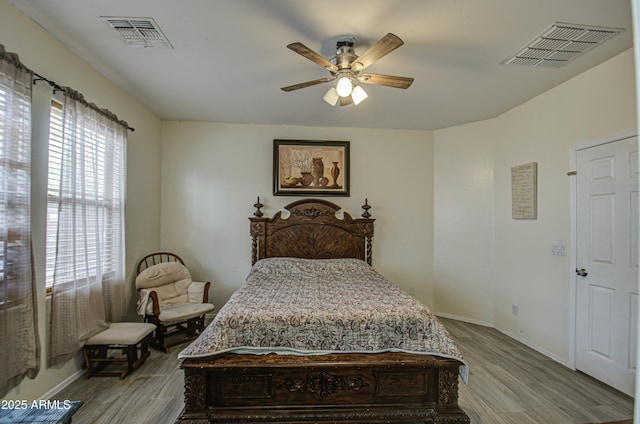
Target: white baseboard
73,377
464,319
525,342
538,349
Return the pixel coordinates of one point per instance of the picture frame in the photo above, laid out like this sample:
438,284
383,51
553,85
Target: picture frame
524,191
310,168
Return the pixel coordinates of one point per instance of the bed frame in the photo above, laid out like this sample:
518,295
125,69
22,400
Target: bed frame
336,388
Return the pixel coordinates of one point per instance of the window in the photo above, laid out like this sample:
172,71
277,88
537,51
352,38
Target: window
86,247
15,181
53,188
100,199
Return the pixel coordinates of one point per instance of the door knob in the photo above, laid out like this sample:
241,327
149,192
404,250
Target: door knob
582,272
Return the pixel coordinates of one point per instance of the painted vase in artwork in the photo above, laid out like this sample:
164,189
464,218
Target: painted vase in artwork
334,171
317,171
306,179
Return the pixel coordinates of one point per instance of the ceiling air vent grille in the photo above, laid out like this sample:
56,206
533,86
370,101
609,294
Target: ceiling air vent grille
138,32
559,44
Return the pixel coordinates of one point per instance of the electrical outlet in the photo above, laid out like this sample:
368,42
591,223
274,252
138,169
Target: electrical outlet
514,309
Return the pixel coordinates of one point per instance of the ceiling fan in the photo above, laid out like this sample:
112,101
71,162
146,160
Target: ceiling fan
346,67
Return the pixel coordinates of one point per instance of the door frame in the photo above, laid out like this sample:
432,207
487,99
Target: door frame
573,259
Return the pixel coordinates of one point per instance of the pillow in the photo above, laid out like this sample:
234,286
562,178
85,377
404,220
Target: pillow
164,273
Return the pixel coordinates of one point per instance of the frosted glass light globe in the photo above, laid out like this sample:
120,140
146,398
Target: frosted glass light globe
344,87
358,95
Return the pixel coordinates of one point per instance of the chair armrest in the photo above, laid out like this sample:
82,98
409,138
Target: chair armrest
148,298
156,304
205,295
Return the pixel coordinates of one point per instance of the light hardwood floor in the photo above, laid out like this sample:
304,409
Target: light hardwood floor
509,383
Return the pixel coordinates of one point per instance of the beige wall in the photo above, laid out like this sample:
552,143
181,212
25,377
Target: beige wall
512,263
464,228
46,56
212,174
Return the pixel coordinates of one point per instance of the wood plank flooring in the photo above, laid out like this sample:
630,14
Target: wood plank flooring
509,383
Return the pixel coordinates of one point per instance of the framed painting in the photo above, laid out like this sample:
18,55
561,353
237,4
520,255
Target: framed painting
310,168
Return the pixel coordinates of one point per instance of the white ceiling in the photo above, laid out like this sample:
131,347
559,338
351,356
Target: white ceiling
230,58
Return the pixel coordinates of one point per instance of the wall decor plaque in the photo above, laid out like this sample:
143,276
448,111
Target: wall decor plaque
524,191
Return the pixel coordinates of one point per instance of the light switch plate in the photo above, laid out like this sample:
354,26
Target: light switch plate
559,248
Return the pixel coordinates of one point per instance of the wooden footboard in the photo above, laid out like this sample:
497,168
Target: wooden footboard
337,388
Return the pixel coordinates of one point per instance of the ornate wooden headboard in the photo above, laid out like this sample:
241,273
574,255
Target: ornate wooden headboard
312,230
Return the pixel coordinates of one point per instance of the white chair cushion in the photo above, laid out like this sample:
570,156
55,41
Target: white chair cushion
196,292
163,274
184,311
122,333
166,292
172,283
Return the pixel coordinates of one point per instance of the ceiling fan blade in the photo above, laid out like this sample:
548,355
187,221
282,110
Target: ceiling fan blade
386,45
305,51
307,84
387,80
346,101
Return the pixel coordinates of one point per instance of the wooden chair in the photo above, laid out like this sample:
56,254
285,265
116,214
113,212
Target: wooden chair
170,299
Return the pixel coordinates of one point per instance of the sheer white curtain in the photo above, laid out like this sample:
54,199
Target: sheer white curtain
88,282
19,342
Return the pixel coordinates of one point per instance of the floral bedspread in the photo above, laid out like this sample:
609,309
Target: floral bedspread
316,306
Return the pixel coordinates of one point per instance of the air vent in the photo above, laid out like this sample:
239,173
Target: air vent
138,32
560,44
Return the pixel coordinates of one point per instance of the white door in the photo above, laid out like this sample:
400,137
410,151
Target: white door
607,259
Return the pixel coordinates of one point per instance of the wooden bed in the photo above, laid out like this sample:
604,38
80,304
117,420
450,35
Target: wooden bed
362,388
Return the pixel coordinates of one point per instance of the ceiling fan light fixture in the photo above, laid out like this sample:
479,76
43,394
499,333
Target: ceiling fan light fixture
331,96
344,86
358,95
346,67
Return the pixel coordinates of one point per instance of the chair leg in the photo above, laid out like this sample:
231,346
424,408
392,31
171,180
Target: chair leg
197,324
132,359
158,334
144,347
200,325
193,327
95,359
